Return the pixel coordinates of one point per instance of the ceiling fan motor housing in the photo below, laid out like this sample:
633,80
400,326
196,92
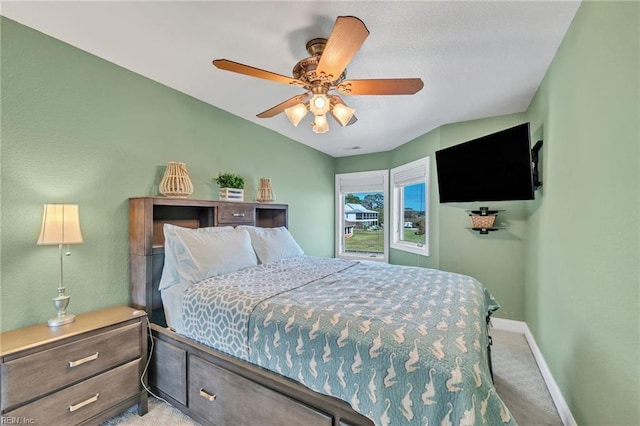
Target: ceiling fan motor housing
305,69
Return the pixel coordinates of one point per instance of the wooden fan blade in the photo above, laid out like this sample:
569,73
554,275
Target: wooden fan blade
227,65
385,86
345,40
335,99
271,112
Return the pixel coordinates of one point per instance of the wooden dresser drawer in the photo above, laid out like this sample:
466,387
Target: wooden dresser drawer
174,359
84,400
217,395
236,214
32,376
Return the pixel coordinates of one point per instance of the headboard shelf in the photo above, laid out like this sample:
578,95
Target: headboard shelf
147,216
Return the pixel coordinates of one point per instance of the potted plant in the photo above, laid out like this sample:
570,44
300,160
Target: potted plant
231,186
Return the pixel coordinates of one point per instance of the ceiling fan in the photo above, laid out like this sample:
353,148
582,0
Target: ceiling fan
324,71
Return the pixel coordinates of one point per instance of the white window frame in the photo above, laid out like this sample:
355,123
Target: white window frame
349,183
408,174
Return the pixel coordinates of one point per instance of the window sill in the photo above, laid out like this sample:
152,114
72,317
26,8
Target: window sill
411,248
372,257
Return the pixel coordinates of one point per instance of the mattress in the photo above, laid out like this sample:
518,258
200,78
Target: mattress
172,306
401,345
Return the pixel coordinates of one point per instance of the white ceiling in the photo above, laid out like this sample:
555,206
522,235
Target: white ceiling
477,59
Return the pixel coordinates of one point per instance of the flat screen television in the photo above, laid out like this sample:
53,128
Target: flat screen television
496,167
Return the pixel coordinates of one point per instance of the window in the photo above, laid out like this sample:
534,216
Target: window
361,208
409,207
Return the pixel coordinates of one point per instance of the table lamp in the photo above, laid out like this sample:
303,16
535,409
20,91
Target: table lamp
60,225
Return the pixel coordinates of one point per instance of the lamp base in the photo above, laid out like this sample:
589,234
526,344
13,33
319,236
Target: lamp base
61,302
58,321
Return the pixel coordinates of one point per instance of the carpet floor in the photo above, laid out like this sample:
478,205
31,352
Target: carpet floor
517,378
519,382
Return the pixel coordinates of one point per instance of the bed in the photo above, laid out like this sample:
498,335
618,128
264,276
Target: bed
255,332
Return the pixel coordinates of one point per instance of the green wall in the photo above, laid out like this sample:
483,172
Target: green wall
78,129
582,276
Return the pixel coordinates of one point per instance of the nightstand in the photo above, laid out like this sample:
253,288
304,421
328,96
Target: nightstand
79,373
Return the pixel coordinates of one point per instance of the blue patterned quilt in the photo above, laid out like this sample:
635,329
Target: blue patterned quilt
402,345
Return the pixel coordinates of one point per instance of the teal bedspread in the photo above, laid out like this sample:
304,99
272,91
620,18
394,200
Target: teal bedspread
402,345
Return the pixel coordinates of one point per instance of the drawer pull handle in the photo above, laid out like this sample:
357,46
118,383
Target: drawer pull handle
206,395
238,215
83,360
79,405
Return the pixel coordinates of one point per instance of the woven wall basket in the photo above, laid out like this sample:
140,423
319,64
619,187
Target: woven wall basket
176,183
482,221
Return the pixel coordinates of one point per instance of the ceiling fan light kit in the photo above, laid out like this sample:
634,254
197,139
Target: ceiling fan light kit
323,71
319,104
342,113
296,113
320,124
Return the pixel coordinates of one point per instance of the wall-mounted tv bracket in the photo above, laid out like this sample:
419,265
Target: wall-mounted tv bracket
484,211
537,183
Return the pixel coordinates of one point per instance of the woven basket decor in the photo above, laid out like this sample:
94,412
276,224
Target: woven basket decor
482,221
176,183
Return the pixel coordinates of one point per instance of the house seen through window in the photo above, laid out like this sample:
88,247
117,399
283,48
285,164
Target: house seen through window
363,222
361,208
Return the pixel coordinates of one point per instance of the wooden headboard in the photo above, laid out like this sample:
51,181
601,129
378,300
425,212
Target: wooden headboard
147,215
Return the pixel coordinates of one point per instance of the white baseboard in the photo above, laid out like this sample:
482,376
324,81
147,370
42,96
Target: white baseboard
559,401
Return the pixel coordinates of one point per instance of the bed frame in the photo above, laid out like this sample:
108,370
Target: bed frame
211,387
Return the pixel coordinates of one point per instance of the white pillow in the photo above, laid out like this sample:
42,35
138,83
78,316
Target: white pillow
192,255
273,244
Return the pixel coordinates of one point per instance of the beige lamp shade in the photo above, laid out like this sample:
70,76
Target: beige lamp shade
320,124
343,114
296,113
60,225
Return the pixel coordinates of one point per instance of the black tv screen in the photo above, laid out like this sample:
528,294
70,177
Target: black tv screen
496,167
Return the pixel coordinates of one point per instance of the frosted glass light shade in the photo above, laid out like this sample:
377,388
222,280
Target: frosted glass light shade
343,114
319,104
320,124
296,113
60,225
